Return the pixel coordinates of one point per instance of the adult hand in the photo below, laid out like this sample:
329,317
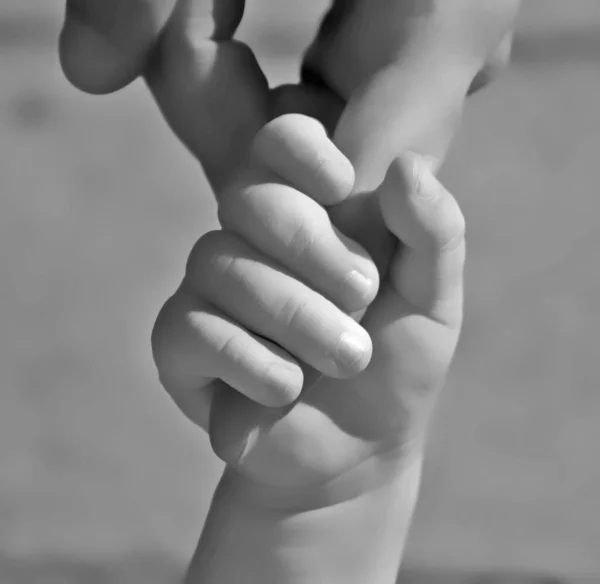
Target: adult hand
106,44
215,96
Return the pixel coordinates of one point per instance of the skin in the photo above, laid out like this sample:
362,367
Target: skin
424,54
197,72
248,346
346,458
262,310
106,44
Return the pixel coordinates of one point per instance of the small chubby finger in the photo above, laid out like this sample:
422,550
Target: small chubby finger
297,148
427,271
267,300
255,367
293,229
193,343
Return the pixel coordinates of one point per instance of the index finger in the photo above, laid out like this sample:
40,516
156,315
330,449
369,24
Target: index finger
276,206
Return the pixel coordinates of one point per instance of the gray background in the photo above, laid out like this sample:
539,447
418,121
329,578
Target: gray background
102,480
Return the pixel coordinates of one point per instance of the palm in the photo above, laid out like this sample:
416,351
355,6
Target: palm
337,425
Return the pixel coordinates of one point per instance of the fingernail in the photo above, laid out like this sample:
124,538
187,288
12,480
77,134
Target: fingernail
422,175
350,350
360,283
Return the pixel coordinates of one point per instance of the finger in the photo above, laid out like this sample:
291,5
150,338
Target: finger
405,92
297,148
290,227
295,231
211,91
255,367
427,271
193,344
104,44
268,301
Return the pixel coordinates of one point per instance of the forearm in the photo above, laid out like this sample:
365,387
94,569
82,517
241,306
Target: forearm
357,540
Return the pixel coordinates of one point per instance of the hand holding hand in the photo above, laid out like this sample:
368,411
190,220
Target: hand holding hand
403,68
263,308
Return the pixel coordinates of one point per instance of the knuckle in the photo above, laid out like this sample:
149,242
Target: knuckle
291,311
209,255
279,134
232,347
301,239
281,126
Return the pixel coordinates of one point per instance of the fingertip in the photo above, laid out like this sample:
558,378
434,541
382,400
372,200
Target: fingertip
417,208
298,149
410,178
104,44
407,197
283,132
410,171
91,63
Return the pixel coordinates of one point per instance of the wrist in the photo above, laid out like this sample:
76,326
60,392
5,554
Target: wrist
373,474
250,537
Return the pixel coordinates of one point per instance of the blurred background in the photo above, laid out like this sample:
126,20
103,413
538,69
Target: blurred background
103,481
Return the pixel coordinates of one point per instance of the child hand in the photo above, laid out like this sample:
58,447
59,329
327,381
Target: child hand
396,96
264,303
